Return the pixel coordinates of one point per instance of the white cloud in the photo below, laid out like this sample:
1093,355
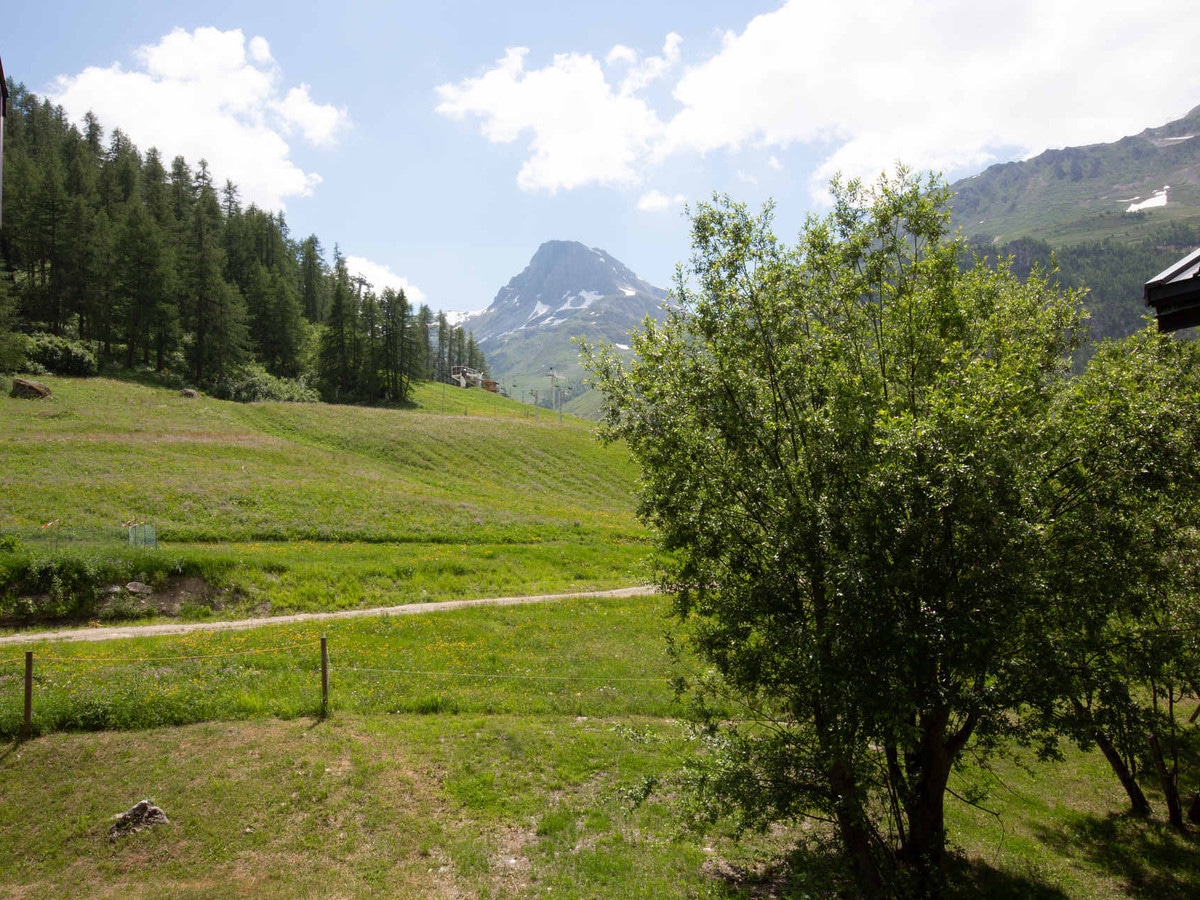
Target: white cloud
651,69
583,129
775,164
621,54
380,276
656,201
933,83
207,94
260,50
319,123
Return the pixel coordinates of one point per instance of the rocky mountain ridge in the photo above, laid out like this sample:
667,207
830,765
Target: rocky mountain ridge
568,290
1124,190
565,280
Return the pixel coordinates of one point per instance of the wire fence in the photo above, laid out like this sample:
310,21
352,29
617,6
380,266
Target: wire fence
57,535
65,692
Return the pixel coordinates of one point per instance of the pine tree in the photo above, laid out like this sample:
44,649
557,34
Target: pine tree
424,364
336,373
11,352
399,346
443,348
156,195
143,278
215,310
314,281
369,349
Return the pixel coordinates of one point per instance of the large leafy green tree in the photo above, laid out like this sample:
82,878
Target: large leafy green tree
1123,646
860,457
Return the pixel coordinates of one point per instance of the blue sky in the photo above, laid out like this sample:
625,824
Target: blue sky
438,144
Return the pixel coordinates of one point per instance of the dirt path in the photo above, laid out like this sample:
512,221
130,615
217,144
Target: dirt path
110,633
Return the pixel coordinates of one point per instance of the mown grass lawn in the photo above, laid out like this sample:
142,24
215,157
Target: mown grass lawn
403,806
595,657
303,507
99,453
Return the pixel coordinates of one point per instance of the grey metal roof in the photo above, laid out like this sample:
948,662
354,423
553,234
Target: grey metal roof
1175,293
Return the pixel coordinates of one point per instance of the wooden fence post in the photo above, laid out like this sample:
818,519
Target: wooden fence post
27,728
324,678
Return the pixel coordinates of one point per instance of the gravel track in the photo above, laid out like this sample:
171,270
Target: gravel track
115,632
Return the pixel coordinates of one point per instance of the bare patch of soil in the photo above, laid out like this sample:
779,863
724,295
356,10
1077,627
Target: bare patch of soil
510,867
166,600
169,599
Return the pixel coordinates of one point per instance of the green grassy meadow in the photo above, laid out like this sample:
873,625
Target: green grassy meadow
481,752
484,752
303,507
100,452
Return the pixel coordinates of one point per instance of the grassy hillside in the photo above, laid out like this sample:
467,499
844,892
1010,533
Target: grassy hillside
309,506
1080,194
99,452
523,360
1076,201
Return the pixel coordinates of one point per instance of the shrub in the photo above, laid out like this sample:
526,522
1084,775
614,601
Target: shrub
253,383
60,355
71,584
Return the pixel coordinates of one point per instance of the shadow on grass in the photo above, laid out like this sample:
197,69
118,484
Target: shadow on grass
971,879
806,872
820,871
1152,859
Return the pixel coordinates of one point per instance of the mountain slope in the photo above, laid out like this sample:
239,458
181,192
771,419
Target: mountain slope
1078,194
568,290
1106,217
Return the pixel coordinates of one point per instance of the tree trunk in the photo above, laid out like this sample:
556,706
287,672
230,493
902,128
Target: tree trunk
928,772
1138,803
1169,785
924,850
852,827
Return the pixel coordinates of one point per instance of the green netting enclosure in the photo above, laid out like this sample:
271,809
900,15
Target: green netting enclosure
143,535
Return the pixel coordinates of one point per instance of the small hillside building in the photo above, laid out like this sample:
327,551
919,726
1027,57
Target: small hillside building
1175,294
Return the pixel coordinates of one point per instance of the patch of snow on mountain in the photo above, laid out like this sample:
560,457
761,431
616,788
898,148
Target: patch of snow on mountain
456,318
582,300
1159,198
540,310
621,346
628,291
